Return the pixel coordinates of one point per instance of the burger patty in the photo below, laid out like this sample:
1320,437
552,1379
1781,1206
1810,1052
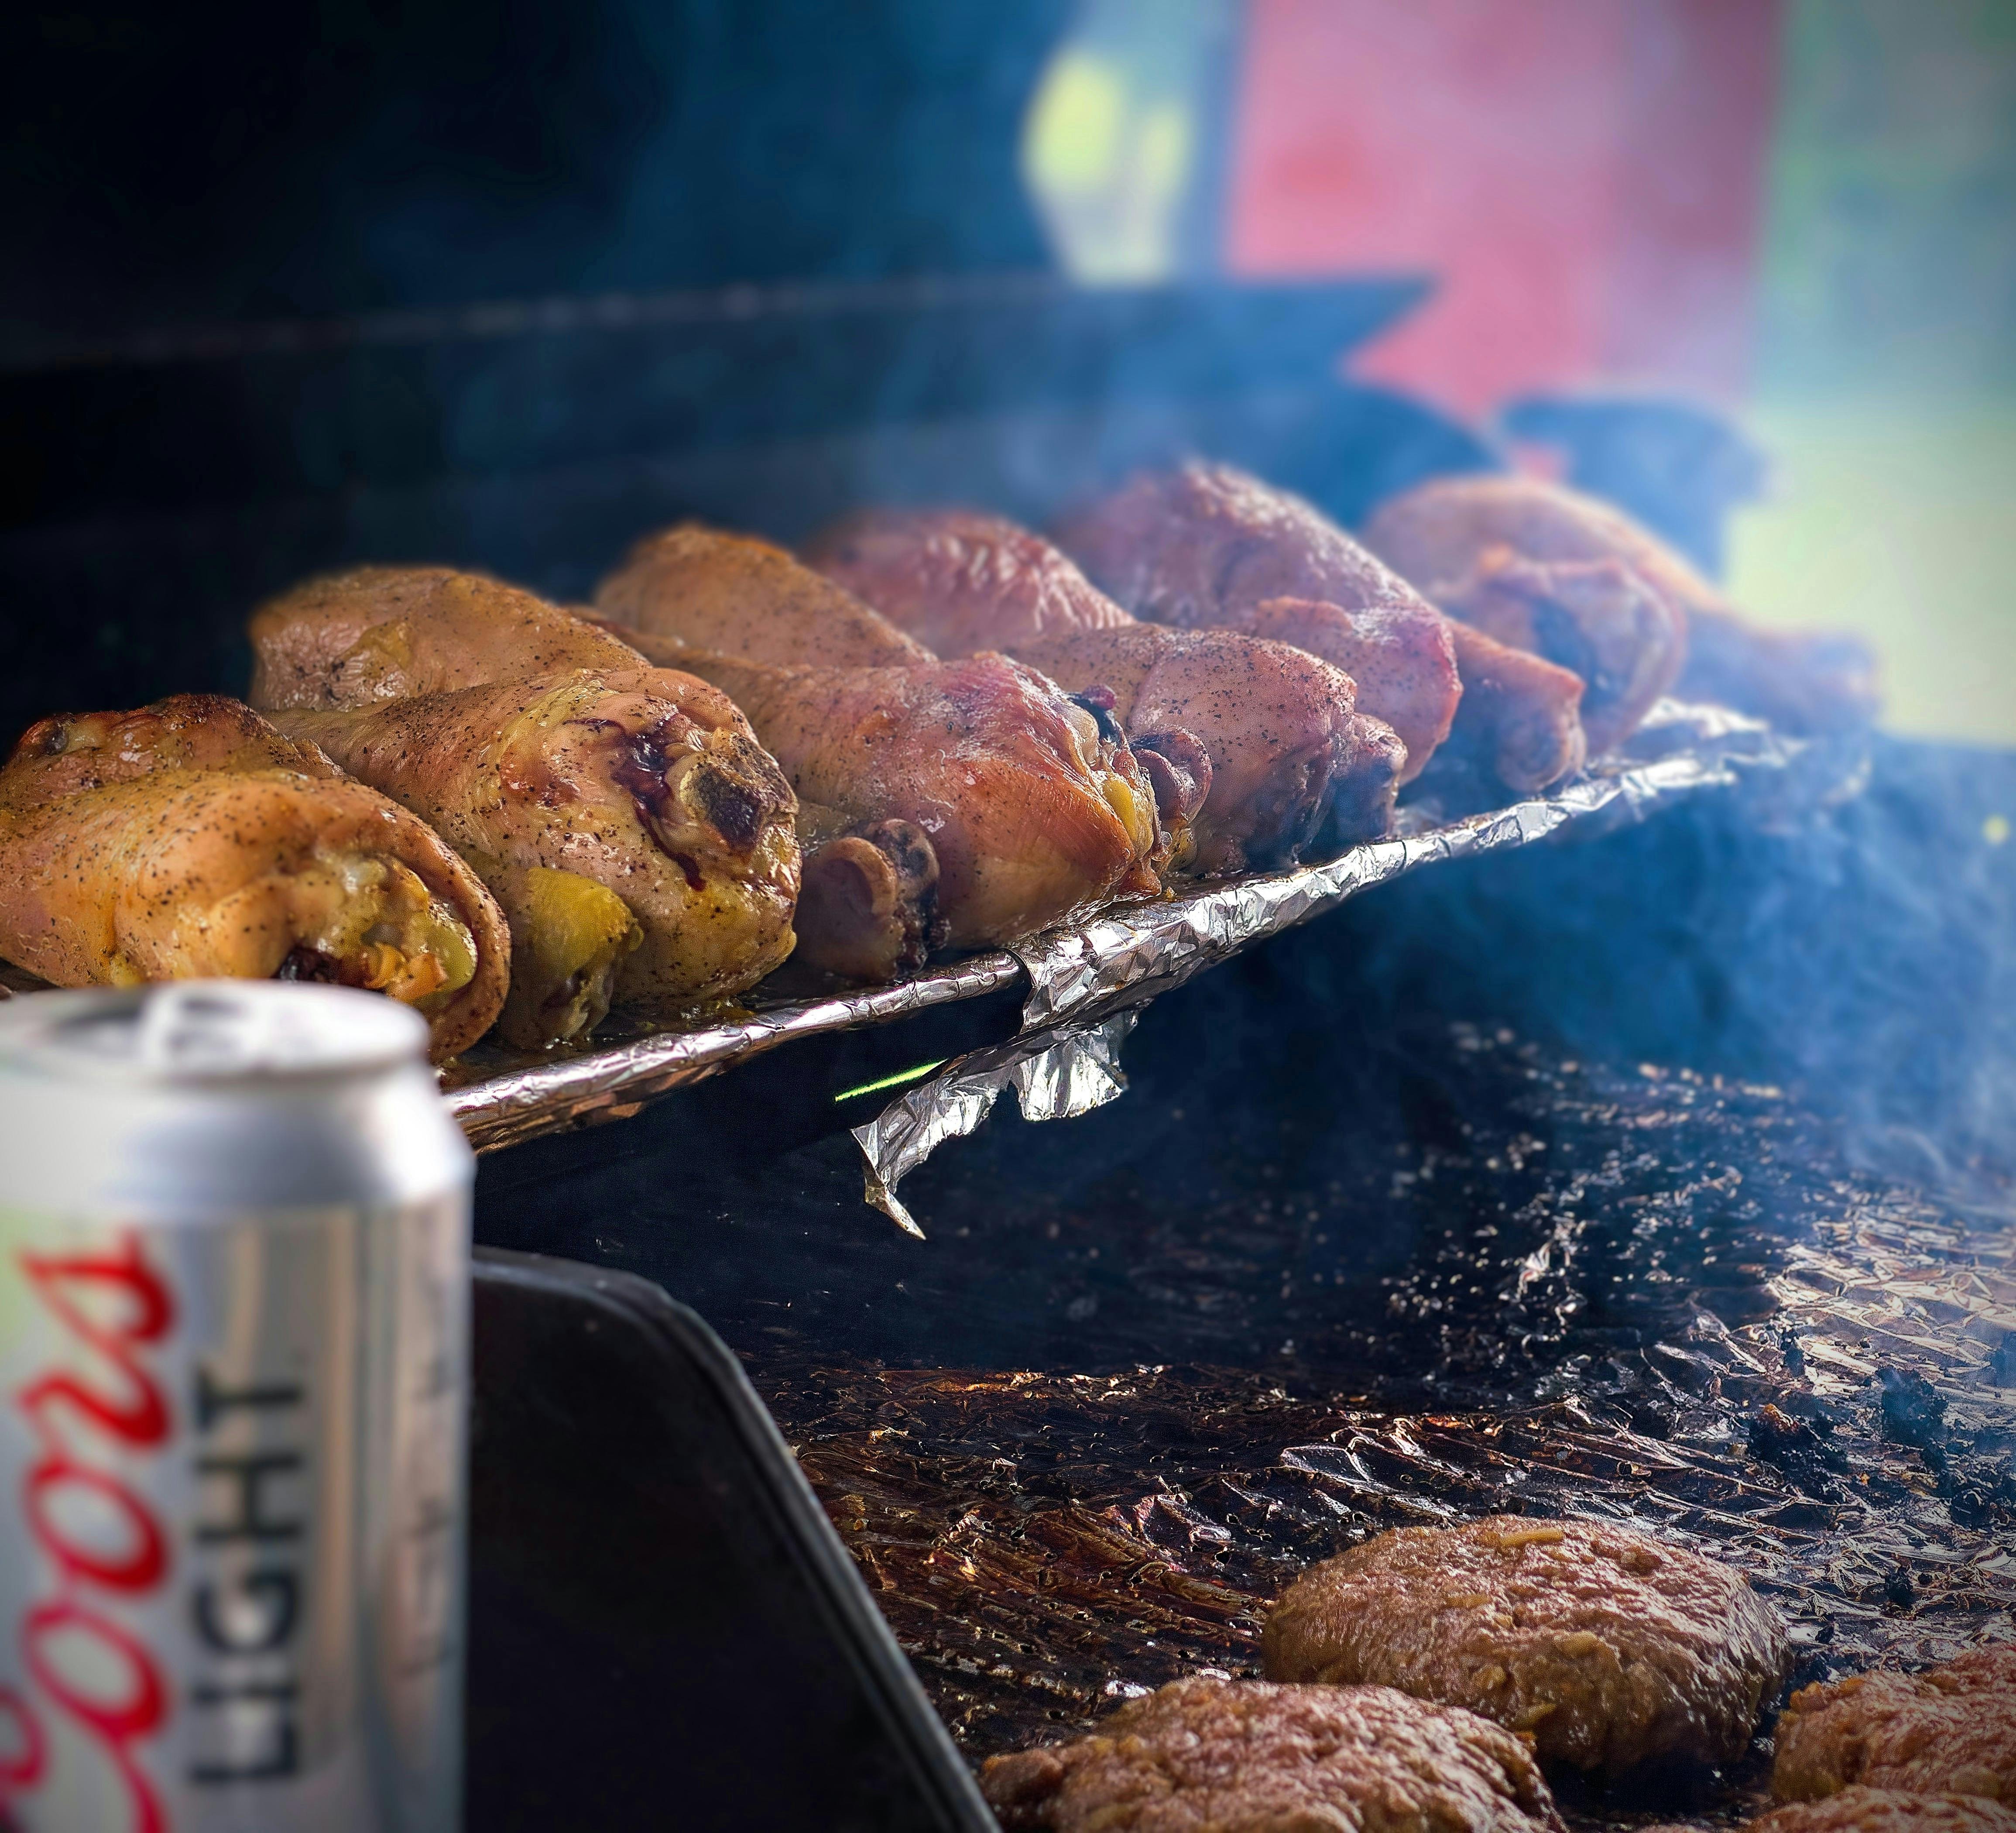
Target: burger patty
1607,1648
1951,1729
1240,1756
1883,1810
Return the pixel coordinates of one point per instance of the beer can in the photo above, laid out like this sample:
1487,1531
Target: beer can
234,1280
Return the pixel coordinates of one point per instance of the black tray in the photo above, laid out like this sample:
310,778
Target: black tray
664,1629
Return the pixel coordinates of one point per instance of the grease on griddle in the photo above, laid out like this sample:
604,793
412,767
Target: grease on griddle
1613,1279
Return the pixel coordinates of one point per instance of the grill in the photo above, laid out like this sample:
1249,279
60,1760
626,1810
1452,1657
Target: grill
1660,1172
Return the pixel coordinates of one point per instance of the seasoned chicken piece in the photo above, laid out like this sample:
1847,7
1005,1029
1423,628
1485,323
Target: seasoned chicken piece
1518,720
1399,660
1524,726
1208,545
252,874
959,580
708,927
667,805
1034,814
1591,612
736,595
1277,728
868,891
1883,1810
381,633
1595,618
68,752
1276,723
1801,681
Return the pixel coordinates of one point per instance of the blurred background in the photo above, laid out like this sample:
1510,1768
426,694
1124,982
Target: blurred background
1801,211
1777,237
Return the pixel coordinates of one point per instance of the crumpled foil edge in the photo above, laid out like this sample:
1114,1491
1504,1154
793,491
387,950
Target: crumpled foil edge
1082,980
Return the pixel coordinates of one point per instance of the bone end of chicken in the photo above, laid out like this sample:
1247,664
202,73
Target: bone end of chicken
1035,813
181,874
735,595
1520,718
1365,785
668,803
382,633
959,580
1271,719
1540,568
1207,546
1803,681
1595,618
869,908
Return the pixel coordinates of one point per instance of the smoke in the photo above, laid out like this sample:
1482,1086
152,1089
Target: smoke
1863,957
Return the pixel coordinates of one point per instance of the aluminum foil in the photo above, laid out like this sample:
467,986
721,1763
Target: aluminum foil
499,1107
1119,962
1056,1074
1640,1294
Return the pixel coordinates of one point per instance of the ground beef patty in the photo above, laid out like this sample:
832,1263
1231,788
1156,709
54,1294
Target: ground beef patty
1240,1756
1950,1730
1883,1810
1608,1647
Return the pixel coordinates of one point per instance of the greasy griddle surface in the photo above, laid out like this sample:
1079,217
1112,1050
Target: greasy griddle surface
1556,1289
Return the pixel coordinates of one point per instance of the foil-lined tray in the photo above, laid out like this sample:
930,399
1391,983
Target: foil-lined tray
1082,982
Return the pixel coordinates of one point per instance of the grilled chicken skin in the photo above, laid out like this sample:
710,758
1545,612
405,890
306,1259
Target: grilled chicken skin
642,846
381,633
737,595
1275,725
1030,809
69,752
1572,549
622,922
960,581
1033,813
244,874
1209,547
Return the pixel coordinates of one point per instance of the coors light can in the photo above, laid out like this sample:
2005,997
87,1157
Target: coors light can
234,1268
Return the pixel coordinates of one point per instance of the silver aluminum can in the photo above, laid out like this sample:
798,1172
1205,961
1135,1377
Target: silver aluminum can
234,1280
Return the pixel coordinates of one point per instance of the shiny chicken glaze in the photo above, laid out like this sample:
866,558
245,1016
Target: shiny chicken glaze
1275,725
1208,545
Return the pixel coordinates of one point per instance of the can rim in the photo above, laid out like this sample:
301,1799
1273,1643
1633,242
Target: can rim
209,1031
